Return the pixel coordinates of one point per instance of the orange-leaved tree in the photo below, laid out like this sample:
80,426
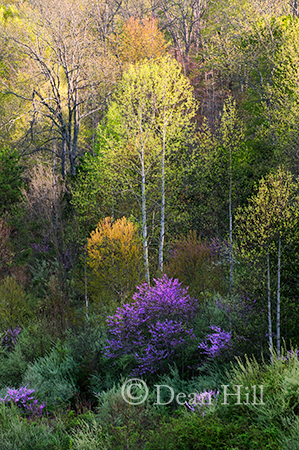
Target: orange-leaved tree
141,39
114,261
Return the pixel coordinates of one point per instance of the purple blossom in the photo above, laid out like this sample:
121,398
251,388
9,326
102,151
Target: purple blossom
43,247
218,340
10,337
202,401
23,399
290,354
154,327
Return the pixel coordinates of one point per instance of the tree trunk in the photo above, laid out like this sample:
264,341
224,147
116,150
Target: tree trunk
162,233
63,154
230,226
144,226
278,296
74,141
73,150
85,282
269,308
295,8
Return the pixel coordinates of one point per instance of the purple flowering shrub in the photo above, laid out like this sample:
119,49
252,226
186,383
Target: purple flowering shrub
154,327
219,340
10,337
157,329
24,400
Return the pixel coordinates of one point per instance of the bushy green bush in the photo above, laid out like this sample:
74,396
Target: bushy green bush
290,439
31,343
14,305
280,383
128,425
86,345
192,432
53,376
89,437
13,365
19,434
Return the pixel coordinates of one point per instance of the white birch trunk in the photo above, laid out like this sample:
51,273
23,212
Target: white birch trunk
269,308
85,282
144,225
162,225
230,226
278,296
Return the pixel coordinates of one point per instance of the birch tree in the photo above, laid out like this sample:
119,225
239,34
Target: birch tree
152,111
176,108
264,228
231,139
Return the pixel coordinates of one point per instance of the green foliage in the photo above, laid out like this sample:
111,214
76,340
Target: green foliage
53,376
127,424
89,437
217,162
151,133
13,366
268,224
280,391
19,434
209,376
284,107
191,432
86,345
290,440
92,195
148,120
271,213
10,179
14,305
31,343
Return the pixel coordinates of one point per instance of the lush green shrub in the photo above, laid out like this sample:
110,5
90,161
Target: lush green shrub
290,438
210,376
89,436
280,383
127,424
13,366
14,305
86,345
192,432
19,434
53,376
10,178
